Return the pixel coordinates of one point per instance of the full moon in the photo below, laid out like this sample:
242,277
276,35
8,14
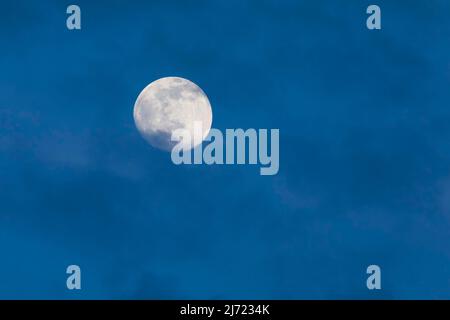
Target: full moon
168,104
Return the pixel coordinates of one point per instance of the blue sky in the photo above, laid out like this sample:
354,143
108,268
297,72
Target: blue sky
364,151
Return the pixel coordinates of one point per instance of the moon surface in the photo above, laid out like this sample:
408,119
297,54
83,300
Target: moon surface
168,104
